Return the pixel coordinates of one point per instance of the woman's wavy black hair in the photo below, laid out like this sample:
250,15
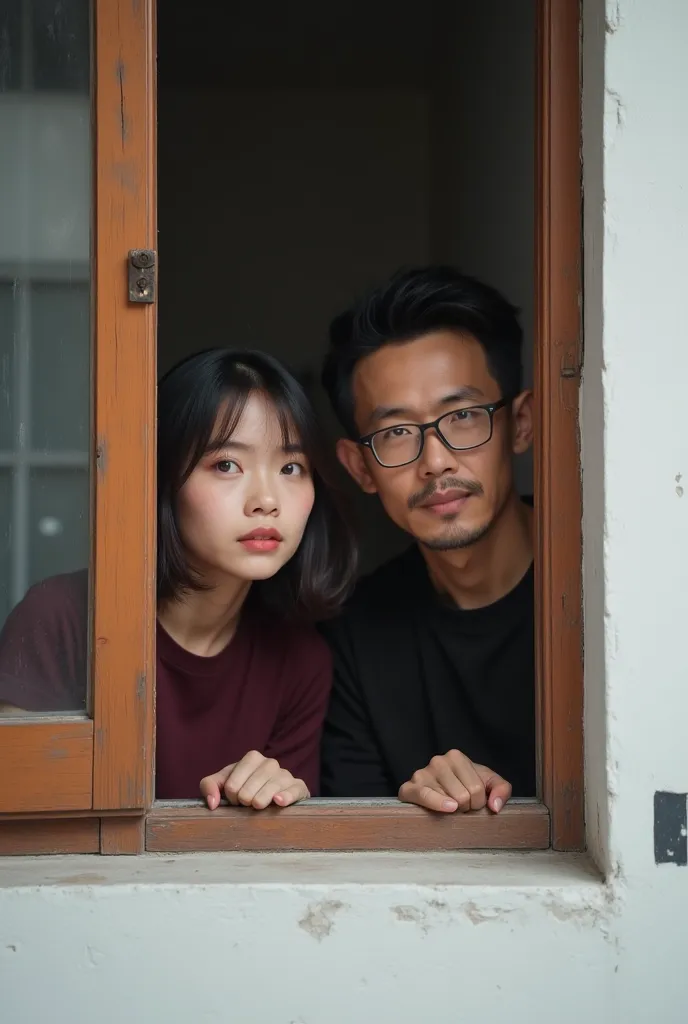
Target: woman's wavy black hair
191,396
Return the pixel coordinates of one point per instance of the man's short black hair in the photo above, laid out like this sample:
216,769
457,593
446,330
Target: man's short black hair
413,303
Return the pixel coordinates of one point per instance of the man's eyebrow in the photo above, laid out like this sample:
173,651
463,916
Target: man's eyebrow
462,395
385,412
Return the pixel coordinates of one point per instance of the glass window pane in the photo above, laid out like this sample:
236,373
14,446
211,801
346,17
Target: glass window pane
60,39
10,45
45,344
60,341
5,541
58,522
6,366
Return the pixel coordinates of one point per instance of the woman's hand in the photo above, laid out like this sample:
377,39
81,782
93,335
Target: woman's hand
255,781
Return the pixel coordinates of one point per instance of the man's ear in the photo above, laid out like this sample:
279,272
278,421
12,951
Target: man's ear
522,422
352,458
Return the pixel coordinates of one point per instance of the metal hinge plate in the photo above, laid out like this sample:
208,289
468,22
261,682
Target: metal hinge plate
142,275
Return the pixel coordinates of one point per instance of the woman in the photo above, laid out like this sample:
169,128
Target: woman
251,549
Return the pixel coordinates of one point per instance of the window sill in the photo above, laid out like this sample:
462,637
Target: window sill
317,825
343,825
544,870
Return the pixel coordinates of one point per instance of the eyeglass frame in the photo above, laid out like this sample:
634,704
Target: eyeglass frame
489,407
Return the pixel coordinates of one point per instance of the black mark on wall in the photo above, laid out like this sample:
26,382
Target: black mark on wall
671,829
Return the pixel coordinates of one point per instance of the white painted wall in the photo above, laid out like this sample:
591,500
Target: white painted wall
493,938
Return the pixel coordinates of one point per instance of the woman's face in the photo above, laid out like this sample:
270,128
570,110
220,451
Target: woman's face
244,508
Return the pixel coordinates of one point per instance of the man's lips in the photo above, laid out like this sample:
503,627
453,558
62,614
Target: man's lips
261,540
446,502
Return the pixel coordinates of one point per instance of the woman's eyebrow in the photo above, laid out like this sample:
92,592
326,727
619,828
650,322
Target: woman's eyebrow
221,445
291,448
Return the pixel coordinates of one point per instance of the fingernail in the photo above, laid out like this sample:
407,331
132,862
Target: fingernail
211,802
449,805
498,804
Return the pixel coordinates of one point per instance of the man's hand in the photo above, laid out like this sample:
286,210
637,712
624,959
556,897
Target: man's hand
451,782
255,781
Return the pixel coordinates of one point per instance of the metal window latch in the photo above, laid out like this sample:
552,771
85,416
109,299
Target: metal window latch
142,275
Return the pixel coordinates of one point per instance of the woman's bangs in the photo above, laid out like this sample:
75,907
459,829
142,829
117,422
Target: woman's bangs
227,415
215,424
292,432
215,414
231,409
287,413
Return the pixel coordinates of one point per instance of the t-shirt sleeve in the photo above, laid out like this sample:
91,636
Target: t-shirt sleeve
352,764
295,740
43,647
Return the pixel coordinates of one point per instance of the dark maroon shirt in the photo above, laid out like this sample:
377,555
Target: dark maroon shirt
267,690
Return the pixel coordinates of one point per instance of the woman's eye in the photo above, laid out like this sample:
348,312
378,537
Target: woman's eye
293,469
227,466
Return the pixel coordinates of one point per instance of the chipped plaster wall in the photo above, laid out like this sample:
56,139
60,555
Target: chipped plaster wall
491,938
306,940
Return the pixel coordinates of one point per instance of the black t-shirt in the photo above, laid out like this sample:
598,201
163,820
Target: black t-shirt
415,676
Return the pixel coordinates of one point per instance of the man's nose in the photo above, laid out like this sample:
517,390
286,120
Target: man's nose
436,458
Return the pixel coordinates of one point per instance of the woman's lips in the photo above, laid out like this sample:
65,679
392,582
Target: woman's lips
261,541
260,545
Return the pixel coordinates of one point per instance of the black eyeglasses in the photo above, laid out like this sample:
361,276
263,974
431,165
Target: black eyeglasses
459,430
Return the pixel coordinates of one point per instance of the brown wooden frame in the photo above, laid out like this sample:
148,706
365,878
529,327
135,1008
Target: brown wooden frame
119,742
50,764
558,365
558,819
344,825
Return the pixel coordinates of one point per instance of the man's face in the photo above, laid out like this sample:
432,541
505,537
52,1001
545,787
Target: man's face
446,499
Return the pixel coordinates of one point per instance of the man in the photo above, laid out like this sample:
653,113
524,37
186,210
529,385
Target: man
434,695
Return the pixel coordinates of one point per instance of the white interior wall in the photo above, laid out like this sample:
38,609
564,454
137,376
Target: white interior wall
525,938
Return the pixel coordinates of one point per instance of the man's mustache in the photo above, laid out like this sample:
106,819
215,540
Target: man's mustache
452,483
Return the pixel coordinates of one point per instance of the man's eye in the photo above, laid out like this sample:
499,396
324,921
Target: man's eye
464,414
293,469
396,432
227,466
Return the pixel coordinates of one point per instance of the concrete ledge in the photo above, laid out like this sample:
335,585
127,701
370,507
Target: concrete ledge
497,870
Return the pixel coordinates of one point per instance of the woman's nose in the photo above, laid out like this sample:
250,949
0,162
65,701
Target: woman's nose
262,501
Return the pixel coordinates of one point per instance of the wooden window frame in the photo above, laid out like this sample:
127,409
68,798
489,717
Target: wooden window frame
53,764
101,770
